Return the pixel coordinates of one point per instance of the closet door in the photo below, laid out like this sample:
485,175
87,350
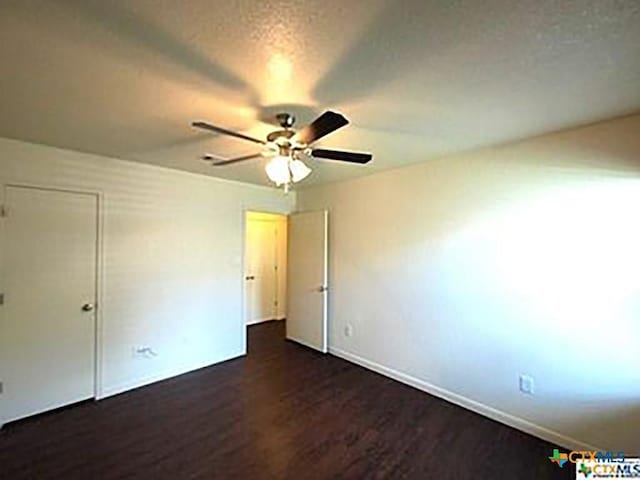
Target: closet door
48,331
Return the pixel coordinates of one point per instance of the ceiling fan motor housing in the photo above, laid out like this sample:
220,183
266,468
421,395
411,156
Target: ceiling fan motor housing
286,120
274,136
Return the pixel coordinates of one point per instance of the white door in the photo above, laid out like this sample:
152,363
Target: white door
48,334
307,279
260,271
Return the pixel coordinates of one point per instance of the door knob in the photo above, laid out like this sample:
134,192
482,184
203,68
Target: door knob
250,277
88,307
323,288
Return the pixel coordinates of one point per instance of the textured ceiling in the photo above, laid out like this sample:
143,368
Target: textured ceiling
418,79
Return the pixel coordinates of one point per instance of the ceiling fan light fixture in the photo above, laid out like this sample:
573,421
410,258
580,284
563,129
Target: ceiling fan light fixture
299,171
278,170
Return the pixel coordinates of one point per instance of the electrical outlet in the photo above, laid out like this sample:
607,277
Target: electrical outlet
527,385
348,330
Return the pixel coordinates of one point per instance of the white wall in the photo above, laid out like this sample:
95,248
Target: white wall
172,250
461,273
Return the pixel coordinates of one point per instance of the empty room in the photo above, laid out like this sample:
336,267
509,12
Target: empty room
278,239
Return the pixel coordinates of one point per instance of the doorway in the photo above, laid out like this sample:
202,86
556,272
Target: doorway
265,263
286,275
50,250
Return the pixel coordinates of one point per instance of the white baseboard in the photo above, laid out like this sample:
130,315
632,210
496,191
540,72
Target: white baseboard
261,320
306,344
110,390
477,407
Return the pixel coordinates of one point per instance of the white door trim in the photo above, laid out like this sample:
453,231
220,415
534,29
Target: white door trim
99,280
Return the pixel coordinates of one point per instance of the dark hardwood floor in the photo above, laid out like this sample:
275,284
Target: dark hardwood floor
281,412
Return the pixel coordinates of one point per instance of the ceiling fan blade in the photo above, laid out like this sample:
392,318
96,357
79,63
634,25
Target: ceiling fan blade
352,157
219,163
213,128
323,125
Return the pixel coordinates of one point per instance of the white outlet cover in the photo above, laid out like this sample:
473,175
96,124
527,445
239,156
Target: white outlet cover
348,330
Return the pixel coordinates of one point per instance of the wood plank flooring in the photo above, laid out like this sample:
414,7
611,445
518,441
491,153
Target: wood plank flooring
282,412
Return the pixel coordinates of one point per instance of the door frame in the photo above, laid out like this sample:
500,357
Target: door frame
243,264
98,391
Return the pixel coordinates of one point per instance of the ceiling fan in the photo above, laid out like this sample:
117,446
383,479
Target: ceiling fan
287,146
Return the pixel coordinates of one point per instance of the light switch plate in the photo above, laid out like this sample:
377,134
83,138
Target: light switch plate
527,385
